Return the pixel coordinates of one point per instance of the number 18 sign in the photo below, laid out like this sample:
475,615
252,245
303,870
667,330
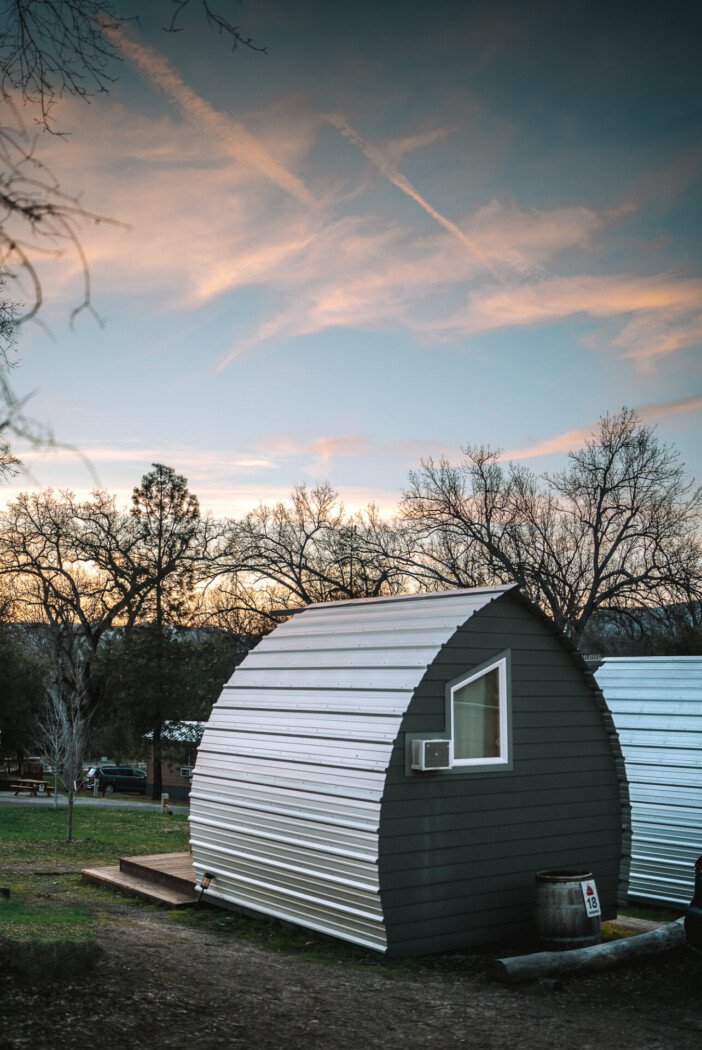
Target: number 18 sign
592,901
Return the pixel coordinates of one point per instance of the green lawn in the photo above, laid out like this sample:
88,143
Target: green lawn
33,837
62,910
28,917
49,910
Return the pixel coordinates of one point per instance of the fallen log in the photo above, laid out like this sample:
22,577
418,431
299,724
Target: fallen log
597,957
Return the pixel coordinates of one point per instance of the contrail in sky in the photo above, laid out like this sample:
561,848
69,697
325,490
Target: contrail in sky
376,157
234,137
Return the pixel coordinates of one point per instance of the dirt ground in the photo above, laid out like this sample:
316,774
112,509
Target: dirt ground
159,984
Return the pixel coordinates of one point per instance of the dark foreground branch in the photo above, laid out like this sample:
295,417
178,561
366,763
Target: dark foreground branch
598,957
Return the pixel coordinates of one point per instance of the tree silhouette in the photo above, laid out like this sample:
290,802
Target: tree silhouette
617,529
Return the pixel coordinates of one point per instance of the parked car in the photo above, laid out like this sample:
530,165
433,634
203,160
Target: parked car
116,778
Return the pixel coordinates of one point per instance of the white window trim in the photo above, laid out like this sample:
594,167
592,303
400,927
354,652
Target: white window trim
504,757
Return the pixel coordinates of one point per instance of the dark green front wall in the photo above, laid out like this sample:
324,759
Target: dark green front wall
459,851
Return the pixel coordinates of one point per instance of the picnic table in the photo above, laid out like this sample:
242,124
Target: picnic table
32,787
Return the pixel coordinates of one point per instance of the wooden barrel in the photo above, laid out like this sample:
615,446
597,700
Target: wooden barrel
561,920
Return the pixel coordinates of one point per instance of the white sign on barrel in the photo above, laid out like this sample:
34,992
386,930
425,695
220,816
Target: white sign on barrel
592,901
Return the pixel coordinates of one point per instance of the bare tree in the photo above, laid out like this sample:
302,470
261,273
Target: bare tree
62,734
81,567
14,420
50,736
312,550
49,49
241,611
8,410
617,529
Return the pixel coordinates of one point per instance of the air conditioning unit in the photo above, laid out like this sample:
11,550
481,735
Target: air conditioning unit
431,754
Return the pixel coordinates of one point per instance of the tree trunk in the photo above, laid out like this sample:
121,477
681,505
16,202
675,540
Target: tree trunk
57,775
597,957
69,822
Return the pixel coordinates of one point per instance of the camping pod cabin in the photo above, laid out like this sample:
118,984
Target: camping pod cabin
394,772
656,705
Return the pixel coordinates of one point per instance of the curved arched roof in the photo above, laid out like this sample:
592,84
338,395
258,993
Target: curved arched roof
285,801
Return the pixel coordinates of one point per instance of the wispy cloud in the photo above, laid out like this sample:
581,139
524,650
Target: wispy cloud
319,455
350,274
398,148
182,457
667,309
385,165
312,455
573,439
343,262
227,484
232,136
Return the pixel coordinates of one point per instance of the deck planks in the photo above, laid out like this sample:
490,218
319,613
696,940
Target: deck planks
166,878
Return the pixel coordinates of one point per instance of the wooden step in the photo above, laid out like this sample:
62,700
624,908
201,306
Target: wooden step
141,887
172,870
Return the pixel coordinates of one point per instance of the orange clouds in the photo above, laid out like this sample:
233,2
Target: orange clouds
203,197
572,439
667,309
232,137
227,482
223,479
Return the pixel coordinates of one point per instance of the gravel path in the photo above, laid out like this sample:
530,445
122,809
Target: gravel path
161,985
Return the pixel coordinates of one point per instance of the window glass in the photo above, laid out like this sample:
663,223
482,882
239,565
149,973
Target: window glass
476,708
480,717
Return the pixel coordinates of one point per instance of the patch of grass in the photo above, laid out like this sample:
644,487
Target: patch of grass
275,936
35,836
652,912
132,796
286,938
25,918
611,931
48,924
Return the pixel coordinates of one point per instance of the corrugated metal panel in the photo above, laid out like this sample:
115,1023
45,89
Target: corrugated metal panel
285,801
656,704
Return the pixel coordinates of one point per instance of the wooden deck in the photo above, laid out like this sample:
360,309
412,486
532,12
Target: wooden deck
168,878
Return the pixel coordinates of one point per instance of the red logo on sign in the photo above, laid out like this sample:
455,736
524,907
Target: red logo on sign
590,892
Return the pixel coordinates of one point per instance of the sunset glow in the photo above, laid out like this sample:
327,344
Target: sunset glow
392,235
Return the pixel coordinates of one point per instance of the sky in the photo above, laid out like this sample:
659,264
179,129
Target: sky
404,228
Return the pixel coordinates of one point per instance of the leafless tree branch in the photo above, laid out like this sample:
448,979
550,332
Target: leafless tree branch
619,528
216,21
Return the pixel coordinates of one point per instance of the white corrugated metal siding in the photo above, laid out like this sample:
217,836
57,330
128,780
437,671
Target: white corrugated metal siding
656,704
285,801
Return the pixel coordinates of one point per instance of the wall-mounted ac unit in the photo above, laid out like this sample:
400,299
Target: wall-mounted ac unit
431,754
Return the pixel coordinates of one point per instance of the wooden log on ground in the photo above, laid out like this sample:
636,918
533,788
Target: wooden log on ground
597,957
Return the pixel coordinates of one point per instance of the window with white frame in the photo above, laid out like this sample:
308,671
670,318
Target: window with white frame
479,718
